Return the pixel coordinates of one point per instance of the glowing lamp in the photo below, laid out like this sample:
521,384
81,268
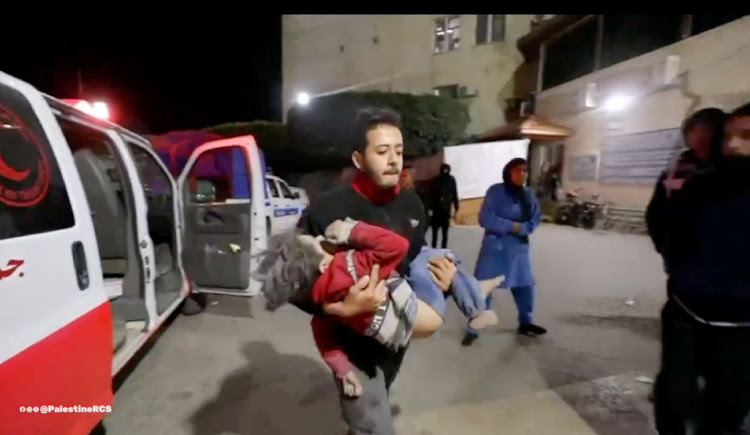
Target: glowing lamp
303,98
97,109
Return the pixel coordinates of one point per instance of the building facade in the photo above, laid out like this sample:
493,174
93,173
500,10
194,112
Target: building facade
471,57
625,94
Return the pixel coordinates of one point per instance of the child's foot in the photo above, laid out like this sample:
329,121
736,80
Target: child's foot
491,284
484,319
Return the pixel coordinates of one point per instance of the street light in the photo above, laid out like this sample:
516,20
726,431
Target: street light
303,98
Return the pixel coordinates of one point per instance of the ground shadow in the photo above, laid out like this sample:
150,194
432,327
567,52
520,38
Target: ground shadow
273,393
231,306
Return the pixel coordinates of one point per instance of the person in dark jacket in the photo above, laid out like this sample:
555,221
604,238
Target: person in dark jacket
702,134
374,197
444,196
706,321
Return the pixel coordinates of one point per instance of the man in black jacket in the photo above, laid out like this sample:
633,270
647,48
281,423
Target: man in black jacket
375,197
702,133
706,321
444,195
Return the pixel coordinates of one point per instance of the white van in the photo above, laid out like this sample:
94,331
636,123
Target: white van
98,246
285,204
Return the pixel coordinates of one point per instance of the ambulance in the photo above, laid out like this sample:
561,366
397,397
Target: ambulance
99,245
285,204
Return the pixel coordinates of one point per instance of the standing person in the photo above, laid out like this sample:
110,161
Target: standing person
706,321
444,195
374,197
702,133
510,213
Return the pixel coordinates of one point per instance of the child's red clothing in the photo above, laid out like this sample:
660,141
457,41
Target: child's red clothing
373,245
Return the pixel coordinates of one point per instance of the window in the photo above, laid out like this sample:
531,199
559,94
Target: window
571,56
450,91
490,28
155,181
285,190
33,197
272,187
219,175
447,33
620,42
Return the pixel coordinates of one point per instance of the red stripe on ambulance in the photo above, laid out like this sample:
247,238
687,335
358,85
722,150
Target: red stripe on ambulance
67,368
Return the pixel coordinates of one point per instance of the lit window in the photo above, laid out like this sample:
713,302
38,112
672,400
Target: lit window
447,33
490,28
450,91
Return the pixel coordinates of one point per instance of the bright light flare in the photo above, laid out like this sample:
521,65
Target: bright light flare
97,109
303,98
617,103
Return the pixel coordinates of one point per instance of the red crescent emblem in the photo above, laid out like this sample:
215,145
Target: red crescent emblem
6,171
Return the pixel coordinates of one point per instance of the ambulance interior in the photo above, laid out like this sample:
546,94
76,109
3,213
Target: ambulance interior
112,207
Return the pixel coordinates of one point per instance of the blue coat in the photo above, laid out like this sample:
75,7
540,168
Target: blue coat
503,252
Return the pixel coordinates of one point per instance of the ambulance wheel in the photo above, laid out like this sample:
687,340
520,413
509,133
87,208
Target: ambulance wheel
194,304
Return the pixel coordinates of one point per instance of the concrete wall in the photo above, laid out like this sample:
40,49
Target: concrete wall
323,53
714,70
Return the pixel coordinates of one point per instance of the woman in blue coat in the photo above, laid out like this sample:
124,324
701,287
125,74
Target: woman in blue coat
509,214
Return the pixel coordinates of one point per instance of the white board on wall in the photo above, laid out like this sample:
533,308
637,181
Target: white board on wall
479,166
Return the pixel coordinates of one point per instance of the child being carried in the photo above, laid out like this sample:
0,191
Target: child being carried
318,270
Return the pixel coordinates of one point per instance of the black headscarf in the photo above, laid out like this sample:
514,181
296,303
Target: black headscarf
517,191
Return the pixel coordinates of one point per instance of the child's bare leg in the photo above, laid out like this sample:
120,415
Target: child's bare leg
426,322
490,284
487,317
484,319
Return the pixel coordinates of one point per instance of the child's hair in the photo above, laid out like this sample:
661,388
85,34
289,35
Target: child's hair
287,267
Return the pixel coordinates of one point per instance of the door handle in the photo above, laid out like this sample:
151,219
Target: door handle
79,262
212,217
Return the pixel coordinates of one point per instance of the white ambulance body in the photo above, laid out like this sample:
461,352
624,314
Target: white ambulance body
98,246
285,204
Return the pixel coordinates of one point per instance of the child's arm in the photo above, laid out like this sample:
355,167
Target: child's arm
332,353
373,244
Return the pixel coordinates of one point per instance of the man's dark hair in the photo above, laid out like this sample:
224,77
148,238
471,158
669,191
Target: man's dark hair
714,119
711,117
369,118
741,111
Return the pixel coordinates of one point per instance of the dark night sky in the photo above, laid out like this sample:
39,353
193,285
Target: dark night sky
166,78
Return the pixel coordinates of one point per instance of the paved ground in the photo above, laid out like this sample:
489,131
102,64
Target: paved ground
236,369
